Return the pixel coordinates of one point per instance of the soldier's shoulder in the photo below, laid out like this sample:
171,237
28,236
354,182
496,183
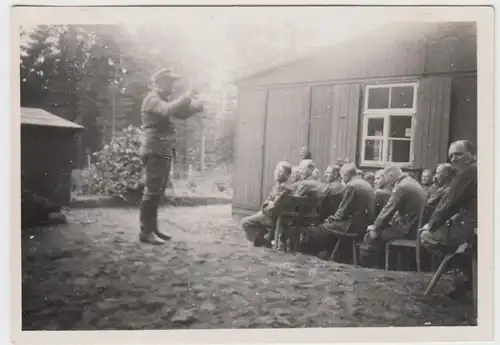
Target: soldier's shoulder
151,95
150,100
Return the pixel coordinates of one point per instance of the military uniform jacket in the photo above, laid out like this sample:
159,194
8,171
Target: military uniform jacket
460,198
158,129
356,208
333,198
309,188
381,198
272,203
433,200
408,200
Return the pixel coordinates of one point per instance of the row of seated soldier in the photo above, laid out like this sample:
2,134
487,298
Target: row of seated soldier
379,207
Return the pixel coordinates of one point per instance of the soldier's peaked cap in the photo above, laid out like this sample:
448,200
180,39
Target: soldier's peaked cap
164,73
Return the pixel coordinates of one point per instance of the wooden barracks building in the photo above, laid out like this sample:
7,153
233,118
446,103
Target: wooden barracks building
398,94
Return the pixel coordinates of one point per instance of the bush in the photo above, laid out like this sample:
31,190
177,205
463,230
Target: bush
118,169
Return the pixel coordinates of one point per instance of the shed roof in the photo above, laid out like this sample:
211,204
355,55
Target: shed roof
40,117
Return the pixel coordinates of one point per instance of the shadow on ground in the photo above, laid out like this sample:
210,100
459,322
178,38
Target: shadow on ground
92,274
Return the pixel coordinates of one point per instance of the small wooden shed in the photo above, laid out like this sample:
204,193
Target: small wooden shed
401,93
48,154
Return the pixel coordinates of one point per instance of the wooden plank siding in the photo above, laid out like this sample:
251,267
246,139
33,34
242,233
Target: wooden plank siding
344,130
287,127
432,122
334,124
321,123
247,174
47,157
463,117
452,50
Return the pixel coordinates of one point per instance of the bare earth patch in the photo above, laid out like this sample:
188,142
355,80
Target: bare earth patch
93,274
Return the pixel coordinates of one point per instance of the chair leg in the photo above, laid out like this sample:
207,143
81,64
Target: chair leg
277,235
474,286
334,251
437,276
354,253
417,255
387,249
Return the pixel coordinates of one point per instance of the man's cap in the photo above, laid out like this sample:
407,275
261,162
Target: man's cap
164,73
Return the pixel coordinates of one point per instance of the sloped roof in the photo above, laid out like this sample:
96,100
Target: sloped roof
390,32
40,117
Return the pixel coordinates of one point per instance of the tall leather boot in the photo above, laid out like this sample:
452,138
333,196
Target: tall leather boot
148,222
164,236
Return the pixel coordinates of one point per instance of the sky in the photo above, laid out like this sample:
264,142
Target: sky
211,31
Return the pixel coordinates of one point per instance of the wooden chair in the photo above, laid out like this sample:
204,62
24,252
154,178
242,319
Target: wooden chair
296,213
353,238
402,243
444,265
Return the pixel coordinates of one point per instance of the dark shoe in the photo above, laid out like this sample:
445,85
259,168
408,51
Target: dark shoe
164,236
150,239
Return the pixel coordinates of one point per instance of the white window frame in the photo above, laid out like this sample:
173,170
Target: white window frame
386,114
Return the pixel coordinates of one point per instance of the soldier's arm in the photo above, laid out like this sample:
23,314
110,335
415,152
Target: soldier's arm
452,200
154,104
389,209
346,203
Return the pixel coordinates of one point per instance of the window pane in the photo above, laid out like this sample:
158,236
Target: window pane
378,98
373,150
375,127
402,97
400,127
399,151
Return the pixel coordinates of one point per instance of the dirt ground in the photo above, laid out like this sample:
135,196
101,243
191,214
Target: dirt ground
92,274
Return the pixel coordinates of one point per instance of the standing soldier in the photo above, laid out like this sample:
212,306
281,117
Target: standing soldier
158,139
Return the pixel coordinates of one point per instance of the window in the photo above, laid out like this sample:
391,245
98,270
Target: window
388,123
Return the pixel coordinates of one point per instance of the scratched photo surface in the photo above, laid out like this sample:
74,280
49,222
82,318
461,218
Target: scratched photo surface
234,173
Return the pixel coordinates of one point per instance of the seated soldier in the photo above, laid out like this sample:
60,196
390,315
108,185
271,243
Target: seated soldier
307,186
257,226
335,191
370,178
407,200
427,181
354,213
442,179
382,192
455,218
332,176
